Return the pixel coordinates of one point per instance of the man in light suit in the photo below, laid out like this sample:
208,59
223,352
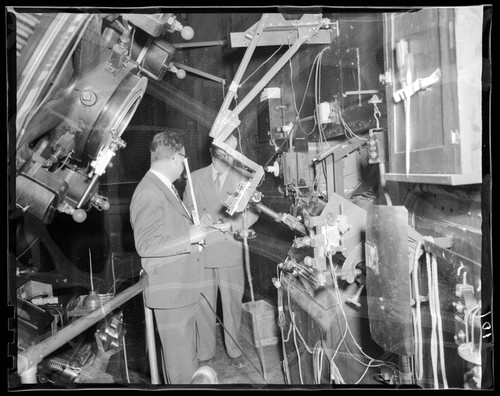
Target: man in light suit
223,257
167,242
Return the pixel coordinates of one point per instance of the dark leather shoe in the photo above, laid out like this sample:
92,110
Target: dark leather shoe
238,362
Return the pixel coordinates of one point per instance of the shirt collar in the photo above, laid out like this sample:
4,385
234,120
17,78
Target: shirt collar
165,180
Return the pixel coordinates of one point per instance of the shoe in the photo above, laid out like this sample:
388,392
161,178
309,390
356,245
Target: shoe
205,362
238,362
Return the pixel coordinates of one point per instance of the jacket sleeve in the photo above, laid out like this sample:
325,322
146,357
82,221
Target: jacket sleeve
152,238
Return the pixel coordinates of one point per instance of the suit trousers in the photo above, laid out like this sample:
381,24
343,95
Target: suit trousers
177,331
230,281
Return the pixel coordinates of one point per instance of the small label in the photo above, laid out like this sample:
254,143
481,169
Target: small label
371,253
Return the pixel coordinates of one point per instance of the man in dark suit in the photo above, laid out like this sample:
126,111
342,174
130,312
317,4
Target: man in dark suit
223,257
168,244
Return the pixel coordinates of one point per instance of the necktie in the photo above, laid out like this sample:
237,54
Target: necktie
180,200
217,181
176,193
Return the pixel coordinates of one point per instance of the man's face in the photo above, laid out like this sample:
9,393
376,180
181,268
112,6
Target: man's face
223,159
226,159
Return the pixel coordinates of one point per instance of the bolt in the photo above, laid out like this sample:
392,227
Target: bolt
88,98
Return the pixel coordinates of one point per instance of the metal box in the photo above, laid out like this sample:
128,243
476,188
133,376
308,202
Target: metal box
433,66
263,318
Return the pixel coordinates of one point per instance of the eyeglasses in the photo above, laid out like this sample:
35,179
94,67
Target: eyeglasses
183,155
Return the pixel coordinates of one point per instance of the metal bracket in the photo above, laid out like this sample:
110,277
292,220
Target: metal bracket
418,85
279,31
227,120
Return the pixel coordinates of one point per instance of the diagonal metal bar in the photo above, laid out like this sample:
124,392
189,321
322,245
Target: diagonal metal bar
36,353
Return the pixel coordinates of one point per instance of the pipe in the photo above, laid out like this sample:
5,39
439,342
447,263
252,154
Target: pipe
268,211
29,358
199,44
254,311
199,72
280,217
151,345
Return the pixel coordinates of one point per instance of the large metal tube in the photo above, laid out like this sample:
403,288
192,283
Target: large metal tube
268,211
29,358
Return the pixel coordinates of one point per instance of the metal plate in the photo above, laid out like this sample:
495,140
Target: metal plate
388,278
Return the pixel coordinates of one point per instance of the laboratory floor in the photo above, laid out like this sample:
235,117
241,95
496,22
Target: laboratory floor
252,373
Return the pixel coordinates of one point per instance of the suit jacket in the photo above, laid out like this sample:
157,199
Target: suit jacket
222,249
161,235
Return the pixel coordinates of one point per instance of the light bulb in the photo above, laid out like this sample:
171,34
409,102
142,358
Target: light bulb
79,215
187,33
180,73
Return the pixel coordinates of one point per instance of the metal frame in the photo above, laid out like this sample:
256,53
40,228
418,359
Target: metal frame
259,34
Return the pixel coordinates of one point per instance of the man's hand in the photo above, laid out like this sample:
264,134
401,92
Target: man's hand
198,233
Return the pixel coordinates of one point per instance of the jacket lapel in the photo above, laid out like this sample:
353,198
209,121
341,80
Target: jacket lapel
176,203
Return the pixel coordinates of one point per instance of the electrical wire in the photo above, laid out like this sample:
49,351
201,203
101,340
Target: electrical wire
339,297
432,308
125,357
318,354
28,248
65,160
229,334
113,273
297,111
296,348
439,321
281,323
262,64
417,313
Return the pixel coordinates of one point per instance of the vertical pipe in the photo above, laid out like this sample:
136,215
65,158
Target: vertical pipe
29,376
151,345
405,370
254,311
